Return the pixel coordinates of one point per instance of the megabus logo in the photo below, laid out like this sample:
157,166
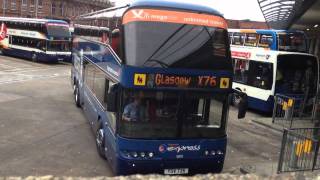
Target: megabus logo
140,79
169,16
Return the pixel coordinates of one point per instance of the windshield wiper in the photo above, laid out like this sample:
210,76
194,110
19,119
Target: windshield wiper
162,64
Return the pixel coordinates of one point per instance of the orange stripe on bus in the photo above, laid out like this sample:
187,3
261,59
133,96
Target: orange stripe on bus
149,15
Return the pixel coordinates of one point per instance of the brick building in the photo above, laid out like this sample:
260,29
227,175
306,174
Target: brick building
62,9
246,24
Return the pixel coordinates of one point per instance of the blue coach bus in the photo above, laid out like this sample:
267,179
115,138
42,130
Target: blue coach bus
42,40
159,104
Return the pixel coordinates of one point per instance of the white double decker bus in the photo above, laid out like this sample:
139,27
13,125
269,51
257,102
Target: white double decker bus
270,62
42,40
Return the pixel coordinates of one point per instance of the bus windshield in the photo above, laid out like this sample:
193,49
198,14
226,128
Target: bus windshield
161,44
297,74
58,31
294,42
170,115
63,46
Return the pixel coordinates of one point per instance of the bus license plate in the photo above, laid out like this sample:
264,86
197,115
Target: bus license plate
176,171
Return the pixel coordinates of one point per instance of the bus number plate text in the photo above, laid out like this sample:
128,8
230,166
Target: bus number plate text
176,171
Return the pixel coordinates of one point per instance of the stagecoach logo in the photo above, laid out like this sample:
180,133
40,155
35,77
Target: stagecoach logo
177,148
263,56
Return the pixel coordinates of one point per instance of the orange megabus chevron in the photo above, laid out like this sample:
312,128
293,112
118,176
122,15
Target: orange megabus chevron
158,103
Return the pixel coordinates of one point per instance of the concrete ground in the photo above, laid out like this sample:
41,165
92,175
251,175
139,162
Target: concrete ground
43,133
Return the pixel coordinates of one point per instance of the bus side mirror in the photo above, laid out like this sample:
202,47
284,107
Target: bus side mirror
112,102
243,106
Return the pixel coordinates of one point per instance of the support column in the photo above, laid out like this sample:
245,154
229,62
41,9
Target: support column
317,46
311,47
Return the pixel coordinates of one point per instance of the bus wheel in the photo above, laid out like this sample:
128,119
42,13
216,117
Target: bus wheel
34,57
236,99
100,143
77,96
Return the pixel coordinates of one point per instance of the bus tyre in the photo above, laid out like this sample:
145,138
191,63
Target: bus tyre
34,57
236,99
100,143
77,96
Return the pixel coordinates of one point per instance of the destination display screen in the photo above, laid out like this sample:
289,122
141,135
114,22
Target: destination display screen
178,81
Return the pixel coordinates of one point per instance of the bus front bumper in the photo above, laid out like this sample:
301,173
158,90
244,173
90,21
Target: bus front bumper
187,167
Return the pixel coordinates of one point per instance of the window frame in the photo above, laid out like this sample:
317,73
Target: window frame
255,44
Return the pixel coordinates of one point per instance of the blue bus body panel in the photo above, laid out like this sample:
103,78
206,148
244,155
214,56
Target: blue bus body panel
261,105
42,57
175,5
168,155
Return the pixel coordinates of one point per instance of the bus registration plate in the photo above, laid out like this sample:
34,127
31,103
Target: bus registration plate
176,171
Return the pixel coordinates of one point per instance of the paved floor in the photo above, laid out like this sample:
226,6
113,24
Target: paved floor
42,132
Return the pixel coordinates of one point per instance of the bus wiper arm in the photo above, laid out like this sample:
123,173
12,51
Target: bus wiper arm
162,64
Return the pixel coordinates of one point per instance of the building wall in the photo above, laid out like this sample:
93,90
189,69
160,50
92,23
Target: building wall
246,24
64,9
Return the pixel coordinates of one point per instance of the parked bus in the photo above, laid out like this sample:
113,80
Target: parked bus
277,40
94,33
263,69
160,104
36,39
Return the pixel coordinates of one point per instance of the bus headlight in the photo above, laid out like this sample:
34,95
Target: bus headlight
213,153
142,154
206,153
134,154
219,152
151,154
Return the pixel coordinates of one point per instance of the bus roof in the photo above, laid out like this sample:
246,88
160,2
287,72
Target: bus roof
90,27
264,31
31,20
174,5
119,11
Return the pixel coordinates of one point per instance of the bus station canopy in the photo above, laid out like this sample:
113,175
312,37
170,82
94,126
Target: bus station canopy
105,13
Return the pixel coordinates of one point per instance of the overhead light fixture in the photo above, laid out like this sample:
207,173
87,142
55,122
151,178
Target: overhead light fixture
316,25
308,29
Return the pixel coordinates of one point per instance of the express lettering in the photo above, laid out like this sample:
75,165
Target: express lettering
183,148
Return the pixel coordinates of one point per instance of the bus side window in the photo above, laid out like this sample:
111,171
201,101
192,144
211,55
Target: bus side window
260,75
238,39
265,41
241,70
111,86
230,38
251,39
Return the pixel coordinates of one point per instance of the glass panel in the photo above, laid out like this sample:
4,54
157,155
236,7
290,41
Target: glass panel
58,30
265,41
253,73
150,114
158,44
251,40
238,39
100,86
60,46
294,42
297,74
260,75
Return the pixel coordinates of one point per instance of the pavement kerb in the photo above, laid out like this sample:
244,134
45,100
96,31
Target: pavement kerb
268,126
